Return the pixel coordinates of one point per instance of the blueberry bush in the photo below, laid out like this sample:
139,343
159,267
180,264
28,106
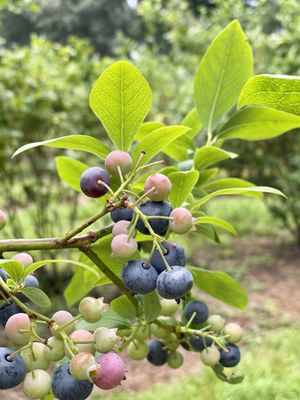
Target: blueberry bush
150,204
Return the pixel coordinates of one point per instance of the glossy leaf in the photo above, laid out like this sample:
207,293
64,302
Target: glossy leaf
274,91
85,143
179,149
157,140
229,183
258,123
223,71
210,155
192,120
111,320
219,222
221,286
152,307
234,191
182,185
146,128
209,232
37,296
123,306
206,175
70,170
121,99
14,268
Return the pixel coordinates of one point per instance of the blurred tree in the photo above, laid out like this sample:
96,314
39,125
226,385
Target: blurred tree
98,20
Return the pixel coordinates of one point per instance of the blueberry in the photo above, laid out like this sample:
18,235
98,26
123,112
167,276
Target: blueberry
7,310
3,275
199,343
156,354
122,213
65,387
89,182
12,372
155,208
230,358
139,277
175,283
198,307
175,255
30,281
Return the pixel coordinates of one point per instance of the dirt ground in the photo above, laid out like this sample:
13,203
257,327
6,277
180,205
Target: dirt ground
271,273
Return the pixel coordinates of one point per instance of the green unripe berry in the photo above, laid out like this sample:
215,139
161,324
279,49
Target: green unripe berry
234,331
175,359
91,309
55,349
34,357
105,339
82,366
2,219
172,341
137,350
210,356
168,307
216,322
159,331
37,384
142,333
123,332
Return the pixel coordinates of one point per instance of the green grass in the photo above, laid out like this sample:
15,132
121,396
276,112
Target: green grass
271,367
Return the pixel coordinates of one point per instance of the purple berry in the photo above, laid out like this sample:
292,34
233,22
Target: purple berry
89,182
111,371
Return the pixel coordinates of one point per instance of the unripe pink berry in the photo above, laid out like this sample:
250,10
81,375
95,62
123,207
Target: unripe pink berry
122,227
91,309
82,366
63,317
210,356
162,185
3,219
82,335
105,339
23,258
118,158
182,220
37,384
17,329
123,247
34,357
111,371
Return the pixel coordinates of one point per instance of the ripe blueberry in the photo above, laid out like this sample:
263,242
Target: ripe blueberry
231,357
118,158
66,387
12,372
155,208
30,281
183,220
161,185
175,283
139,277
156,354
197,307
122,213
175,255
199,343
111,371
89,182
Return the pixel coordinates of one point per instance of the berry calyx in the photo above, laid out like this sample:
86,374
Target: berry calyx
89,182
182,220
83,366
118,158
161,186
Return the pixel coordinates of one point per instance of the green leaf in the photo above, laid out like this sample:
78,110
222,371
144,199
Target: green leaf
157,140
182,185
192,120
274,91
210,155
37,296
224,69
85,143
221,286
230,183
146,128
123,307
152,307
209,232
179,149
218,222
258,123
233,191
70,170
15,269
206,175
33,267
121,99
111,320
